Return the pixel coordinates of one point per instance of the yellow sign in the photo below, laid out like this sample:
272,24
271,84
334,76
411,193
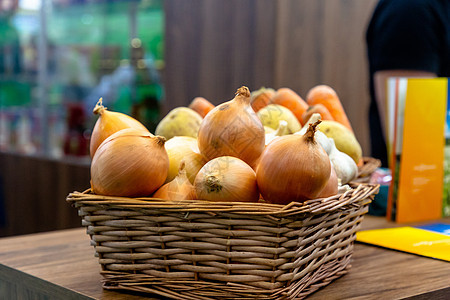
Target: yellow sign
409,239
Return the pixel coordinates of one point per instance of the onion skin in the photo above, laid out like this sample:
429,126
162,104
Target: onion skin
232,129
332,186
129,163
293,168
109,122
180,188
226,179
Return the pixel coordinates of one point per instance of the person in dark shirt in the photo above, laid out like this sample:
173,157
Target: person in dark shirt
405,38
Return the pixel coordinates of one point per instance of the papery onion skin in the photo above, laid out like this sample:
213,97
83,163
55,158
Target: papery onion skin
129,163
226,179
332,186
293,168
232,129
109,122
184,148
180,188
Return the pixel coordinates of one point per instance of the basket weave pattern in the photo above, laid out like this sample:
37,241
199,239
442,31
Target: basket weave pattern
203,250
369,166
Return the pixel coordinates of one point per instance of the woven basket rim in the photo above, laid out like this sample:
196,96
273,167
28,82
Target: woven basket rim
370,164
358,192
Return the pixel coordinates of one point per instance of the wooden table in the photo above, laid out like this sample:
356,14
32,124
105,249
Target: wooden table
61,265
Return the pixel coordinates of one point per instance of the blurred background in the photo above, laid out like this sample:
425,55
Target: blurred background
145,57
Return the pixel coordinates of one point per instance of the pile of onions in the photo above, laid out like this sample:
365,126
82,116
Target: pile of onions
184,148
232,129
228,179
180,188
293,168
110,122
130,163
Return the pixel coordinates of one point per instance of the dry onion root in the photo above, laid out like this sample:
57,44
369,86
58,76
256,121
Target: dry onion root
232,129
109,122
226,178
129,163
293,168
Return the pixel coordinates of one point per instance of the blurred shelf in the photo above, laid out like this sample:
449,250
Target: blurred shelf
84,161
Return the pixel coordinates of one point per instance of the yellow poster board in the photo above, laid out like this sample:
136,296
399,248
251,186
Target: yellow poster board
410,239
422,163
416,144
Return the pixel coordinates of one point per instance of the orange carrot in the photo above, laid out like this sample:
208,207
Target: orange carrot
318,108
360,162
327,96
201,105
291,100
261,98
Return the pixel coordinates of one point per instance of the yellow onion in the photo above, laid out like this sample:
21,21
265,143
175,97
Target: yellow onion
110,122
184,148
332,186
180,188
232,129
131,163
293,168
226,178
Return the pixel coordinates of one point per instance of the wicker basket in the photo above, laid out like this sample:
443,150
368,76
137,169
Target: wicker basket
368,166
203,250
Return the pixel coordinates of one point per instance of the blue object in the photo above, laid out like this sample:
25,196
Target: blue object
436,227
378,206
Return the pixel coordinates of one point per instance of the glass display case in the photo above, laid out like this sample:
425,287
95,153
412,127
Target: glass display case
58,57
